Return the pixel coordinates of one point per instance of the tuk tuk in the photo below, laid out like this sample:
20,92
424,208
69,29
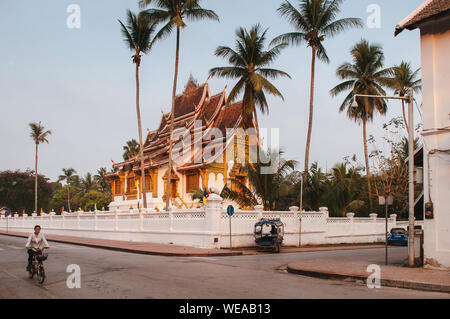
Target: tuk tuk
269,234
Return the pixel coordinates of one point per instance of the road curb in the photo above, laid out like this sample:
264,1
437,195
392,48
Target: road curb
135,251
384,282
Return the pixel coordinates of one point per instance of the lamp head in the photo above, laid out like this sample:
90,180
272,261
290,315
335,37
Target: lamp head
354,104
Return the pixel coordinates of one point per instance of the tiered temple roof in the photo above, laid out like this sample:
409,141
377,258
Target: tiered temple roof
194,104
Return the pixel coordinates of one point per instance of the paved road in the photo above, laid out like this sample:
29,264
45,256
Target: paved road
110,274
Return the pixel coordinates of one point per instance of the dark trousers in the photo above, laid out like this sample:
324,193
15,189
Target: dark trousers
30,256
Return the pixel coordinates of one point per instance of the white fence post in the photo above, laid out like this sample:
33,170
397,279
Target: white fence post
213,213
351,216
394,221
298,225
259,209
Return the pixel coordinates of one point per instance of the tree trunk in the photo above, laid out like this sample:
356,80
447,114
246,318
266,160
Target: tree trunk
36,179
366,156
172,117
141,143
68,197
404,116
311,109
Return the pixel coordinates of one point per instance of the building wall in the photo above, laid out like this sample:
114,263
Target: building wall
435,48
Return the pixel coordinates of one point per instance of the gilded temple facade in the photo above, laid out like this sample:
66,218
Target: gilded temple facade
210,143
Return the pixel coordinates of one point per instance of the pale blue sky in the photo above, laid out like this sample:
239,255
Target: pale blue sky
80,82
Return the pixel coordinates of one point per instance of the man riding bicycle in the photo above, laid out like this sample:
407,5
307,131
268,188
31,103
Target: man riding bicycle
35,241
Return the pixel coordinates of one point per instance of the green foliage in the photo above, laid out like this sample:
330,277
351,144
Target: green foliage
249,65
137,34
94,197
17,191
267,187
314,21
83,191
38,133
131,150
365,75
173,13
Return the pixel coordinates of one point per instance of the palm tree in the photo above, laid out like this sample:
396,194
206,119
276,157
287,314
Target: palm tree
343,190
68,176
137,34
38,135
365,75
313,188
131,150
249,65
313,21
88,183
405,78
173,14
101,180
264,188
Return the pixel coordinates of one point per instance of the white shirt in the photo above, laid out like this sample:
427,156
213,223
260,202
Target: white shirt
38,241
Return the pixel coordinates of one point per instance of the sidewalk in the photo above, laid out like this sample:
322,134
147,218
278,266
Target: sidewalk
134,247
391,275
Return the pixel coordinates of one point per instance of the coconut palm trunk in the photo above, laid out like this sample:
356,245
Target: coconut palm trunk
311,108
68,197
141,143
366,156
36,179
172,117
404,116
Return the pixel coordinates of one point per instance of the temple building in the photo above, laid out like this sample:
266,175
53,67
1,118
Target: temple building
212,132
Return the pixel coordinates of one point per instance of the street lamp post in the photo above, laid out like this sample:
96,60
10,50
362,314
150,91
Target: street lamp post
409,98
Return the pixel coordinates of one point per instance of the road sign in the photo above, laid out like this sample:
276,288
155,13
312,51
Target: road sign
230,210
7,214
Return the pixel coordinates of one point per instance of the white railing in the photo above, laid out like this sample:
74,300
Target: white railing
207,227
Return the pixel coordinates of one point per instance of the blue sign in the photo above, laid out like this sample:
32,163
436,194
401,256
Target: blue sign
7,214
230,210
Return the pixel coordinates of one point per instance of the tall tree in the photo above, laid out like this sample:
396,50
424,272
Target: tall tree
313,21
88,183
343,189
38,135
405,78
67,176
266,189
172,13
249,65
138,35
101,180
131,150
365,75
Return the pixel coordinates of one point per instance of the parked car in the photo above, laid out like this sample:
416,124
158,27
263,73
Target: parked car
397,236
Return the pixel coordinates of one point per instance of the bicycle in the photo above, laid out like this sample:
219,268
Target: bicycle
37,266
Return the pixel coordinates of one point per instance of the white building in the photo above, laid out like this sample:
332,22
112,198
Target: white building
433,20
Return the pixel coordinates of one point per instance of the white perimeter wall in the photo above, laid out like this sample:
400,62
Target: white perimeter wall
207,227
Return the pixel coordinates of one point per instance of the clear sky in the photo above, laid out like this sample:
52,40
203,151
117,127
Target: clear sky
81,83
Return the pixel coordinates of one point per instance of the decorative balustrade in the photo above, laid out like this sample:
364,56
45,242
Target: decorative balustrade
206,227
